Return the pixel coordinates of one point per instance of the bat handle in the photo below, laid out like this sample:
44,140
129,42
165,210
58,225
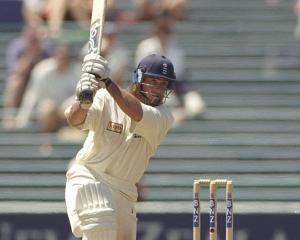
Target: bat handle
86,96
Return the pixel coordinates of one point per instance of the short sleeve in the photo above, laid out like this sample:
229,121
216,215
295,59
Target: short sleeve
155,124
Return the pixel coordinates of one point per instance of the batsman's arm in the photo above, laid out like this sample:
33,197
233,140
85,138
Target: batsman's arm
126,101
76,114
97,66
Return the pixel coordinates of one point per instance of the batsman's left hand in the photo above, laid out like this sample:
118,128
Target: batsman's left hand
96,65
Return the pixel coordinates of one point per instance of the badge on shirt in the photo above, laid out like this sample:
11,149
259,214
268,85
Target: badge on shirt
114,127
136,135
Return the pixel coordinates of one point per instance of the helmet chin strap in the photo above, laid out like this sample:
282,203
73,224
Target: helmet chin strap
149,102
162,100
135,89
143,96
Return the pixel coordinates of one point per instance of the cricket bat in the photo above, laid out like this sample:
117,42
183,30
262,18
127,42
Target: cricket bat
95,40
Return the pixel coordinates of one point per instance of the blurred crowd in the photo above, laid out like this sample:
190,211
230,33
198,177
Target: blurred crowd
42,69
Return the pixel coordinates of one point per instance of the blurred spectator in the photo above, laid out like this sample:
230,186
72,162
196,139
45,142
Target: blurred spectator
150,9
35,11
297,12
22,55
52,81
145,10
273,3
54,12
177,8
115,52
187,103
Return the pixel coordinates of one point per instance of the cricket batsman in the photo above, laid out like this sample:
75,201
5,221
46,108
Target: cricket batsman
125,129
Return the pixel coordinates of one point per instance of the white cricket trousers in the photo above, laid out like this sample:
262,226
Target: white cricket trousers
124,209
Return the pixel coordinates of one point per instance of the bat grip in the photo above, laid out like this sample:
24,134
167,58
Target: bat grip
86,96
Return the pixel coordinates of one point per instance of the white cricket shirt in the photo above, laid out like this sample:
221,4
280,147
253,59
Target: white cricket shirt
117,149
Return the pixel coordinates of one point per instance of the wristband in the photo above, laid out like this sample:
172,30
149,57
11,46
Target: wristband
107,82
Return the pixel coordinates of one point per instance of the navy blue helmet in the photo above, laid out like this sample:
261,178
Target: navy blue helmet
155,65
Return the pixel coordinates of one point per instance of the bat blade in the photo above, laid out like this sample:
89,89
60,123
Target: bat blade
95,40
97,22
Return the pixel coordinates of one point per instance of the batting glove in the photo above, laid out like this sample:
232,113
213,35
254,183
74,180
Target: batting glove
86,88
96,65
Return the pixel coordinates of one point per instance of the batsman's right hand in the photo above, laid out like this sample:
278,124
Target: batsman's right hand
86,88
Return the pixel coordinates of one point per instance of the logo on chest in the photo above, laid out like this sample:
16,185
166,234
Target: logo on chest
114,127
136,136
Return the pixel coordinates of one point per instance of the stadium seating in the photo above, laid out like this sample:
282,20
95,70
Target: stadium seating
243,59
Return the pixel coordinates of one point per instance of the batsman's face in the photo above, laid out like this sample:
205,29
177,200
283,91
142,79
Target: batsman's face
154,89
